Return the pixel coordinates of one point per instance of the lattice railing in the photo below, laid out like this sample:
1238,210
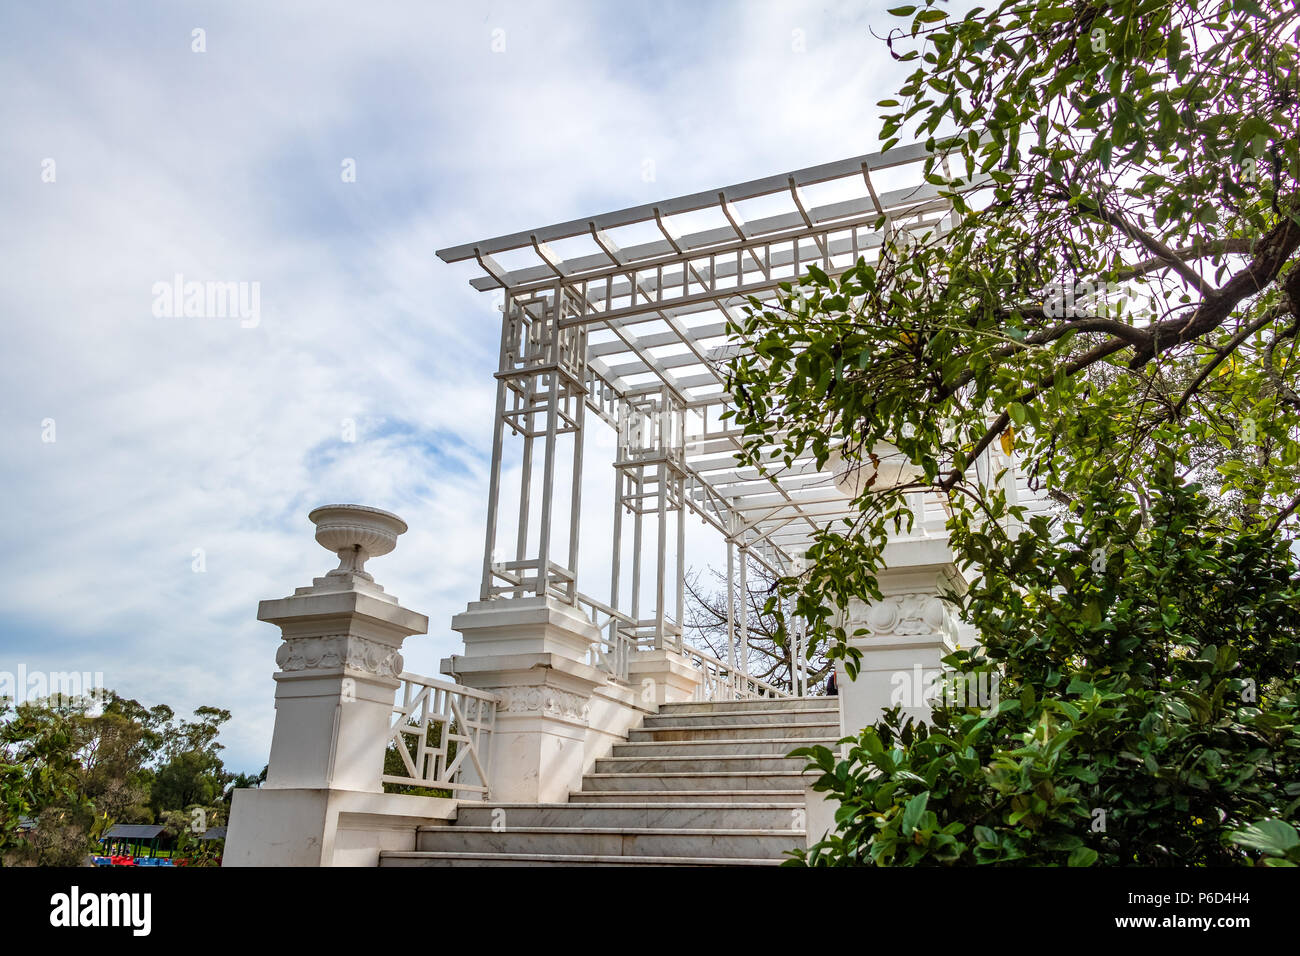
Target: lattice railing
722,682
442,732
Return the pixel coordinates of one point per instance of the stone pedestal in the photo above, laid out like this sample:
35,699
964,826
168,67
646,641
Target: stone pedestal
663,677
532,653
323,803
908,634
339,668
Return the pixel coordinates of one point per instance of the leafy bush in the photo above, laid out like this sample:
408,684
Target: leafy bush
1148,711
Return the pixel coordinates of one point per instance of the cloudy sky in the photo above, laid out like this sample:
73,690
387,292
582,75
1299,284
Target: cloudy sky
133,441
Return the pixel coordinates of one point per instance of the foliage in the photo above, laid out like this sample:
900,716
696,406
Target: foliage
1114,299
76,766
1148,710
190,778
245,781
1277,840
1123,152
195,851
394,766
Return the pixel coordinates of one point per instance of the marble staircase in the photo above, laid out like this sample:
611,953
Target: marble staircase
698,784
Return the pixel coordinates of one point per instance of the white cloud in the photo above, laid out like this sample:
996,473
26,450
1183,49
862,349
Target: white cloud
176,434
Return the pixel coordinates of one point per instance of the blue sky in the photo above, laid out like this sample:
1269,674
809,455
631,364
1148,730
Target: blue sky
174,434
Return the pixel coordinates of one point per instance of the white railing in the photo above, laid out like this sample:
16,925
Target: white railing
611,652
443,733
723,683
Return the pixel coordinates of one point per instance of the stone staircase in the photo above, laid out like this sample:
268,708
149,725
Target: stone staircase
698,784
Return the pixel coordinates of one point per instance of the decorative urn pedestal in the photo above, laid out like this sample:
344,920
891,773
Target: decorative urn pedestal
339,669
356,533
884,467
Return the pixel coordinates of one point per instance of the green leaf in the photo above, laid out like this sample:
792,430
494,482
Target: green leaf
1090,613
913,812
1082,856
1273,837
1054,14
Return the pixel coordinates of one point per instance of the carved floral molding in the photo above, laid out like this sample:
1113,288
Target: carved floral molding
339,650
543,701
903,614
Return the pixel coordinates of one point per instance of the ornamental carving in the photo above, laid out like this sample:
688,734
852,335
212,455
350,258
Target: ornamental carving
541,700
339,650
903,614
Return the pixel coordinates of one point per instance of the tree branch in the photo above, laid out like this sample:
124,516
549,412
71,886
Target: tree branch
1157,248
1197,250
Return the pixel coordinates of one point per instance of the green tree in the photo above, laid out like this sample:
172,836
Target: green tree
74,767
1114,297
245,781
191,778
1147,149
114,749
40,775
191,773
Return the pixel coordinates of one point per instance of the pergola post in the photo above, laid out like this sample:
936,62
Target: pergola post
744,615
541,396
731,604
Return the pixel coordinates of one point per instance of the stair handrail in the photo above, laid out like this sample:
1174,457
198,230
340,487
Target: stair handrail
722,682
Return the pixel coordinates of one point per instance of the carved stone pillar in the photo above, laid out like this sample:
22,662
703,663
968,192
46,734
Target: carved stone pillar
532,652
908,634
338,674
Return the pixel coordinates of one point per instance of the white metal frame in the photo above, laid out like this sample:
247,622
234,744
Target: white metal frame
636,336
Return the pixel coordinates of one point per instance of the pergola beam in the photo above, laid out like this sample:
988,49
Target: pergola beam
752,189
899,203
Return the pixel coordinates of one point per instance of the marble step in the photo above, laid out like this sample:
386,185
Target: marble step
399,858
764,705
686,748
748,718
700,763
596,841
782,798
680,816
705,731
699,780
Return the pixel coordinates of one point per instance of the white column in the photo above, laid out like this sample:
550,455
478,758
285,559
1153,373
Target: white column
532,653
335,687
910,631
731,606
744,618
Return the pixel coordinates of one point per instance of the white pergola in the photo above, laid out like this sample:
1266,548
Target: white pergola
623,316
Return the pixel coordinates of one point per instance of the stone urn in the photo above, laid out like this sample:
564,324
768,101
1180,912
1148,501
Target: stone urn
356,533
889,467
